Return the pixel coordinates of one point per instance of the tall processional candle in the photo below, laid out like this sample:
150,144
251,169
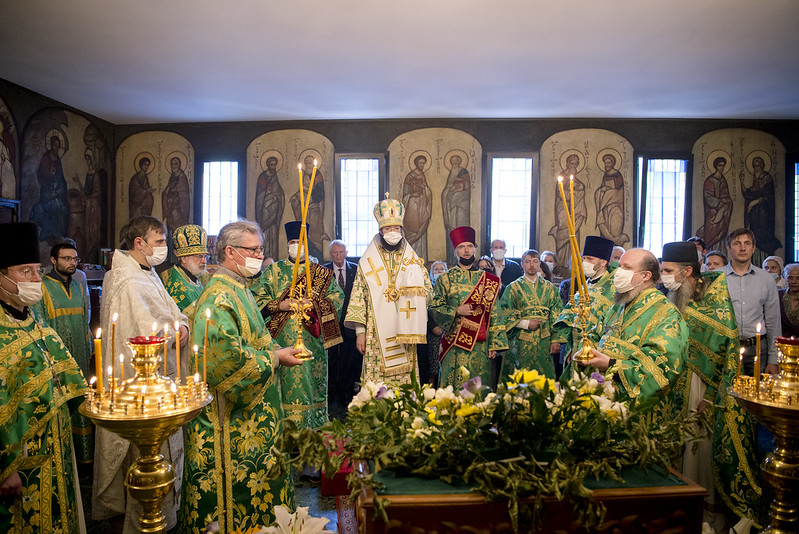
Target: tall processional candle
166,339
205,345
98,360
302,212
304,230
576,263
177,346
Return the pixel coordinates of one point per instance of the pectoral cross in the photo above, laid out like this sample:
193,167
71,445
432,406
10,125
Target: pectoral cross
407,310
374,271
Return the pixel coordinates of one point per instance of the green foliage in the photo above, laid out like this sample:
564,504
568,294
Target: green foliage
530,439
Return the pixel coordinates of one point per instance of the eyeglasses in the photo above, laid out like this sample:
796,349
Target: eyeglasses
28,272
76,259
252,250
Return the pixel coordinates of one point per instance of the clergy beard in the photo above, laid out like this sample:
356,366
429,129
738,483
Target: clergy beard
391,248
682,296
66,274
626,298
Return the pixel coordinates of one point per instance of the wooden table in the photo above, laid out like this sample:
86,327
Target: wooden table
663,509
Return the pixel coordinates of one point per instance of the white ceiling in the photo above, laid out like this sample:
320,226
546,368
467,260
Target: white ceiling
148,61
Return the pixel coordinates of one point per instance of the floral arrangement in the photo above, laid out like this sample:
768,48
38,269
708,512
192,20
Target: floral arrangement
533,437
299,522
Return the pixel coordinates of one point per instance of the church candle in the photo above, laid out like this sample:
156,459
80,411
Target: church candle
205,344
305,230
98,361
577,265
177,346
122,367
114,332
757,360
740,362
111,380
166,339
196,360
155,327
302,212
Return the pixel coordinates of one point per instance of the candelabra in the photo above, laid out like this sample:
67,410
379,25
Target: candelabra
774,401
146,410
300,310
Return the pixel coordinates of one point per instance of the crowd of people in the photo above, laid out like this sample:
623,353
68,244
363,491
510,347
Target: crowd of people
667,330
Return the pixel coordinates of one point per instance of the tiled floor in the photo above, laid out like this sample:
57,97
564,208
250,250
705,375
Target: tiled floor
306,494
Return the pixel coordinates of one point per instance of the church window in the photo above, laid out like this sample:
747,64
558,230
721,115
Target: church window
360,178
662,183
511,203
220,194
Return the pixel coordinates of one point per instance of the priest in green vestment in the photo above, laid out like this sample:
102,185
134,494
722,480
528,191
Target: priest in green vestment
228,446
726,460
64,307
464,306
642,338
303,388
528,309
182,281
388,302
597,251
38,380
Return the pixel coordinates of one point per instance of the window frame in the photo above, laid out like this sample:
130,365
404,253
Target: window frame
381,186
488,188
640,192
791,226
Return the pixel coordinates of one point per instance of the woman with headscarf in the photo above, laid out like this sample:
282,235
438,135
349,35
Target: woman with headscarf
774,266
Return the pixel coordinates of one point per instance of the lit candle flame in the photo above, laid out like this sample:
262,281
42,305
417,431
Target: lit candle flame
196,377
299,166
92,381
207,313
758,328
109,370
196,348
99,331
114,318
560,179
314,163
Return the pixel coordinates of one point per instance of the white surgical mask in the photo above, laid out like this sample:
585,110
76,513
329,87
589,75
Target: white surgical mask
28,293
670,282
294,250
776,276
158,257
392,238
623,280
499,253
589,269
551,266
699,255
251,267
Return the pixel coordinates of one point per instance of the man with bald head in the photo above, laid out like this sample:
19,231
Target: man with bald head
642,338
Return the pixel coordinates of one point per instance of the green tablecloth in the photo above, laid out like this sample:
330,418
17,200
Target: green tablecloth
409,485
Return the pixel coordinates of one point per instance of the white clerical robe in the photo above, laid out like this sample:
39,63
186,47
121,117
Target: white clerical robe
138,296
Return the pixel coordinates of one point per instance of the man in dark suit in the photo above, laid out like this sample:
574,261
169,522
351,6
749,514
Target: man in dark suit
507,270
344,360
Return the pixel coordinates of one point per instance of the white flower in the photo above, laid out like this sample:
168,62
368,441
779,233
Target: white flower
429,394
446,394
297,523
610,389
489,400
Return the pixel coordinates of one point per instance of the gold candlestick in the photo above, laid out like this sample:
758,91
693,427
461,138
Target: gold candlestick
150,477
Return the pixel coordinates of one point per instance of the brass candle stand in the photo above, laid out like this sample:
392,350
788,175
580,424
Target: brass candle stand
300,310
583,312
146,410
775,403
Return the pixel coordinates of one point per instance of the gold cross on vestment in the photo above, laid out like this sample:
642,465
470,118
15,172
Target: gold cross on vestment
407,310
374,271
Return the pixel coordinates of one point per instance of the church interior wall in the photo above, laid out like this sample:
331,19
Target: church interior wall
230,140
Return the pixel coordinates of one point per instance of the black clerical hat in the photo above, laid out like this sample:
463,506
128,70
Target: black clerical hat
598,247
680,252
19,244
293,230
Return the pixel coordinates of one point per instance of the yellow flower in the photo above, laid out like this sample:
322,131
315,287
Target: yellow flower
431,416
466,410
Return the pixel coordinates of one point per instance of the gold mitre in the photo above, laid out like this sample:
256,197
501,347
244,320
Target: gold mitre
190,239
389,212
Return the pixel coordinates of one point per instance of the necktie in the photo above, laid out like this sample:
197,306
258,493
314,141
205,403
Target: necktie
341,277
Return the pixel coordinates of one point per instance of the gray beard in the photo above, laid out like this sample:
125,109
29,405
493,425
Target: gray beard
681,296
625,298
